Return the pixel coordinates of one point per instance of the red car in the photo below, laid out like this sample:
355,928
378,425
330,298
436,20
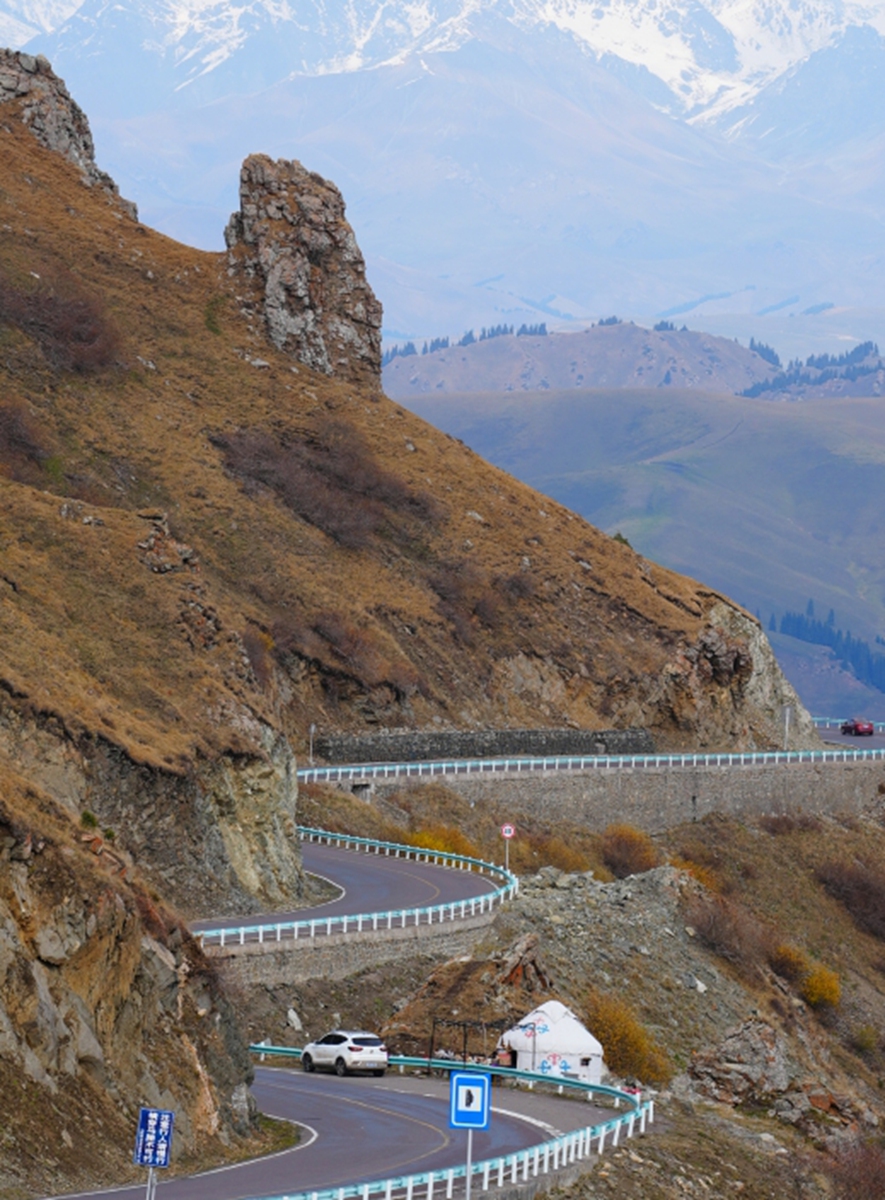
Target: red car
858,727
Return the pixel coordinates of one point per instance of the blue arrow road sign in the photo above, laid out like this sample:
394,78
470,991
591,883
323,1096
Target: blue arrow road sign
469,1100
153,1142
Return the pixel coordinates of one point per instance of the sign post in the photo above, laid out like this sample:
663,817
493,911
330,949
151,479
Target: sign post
470,1106
507,832
788,712
153,1143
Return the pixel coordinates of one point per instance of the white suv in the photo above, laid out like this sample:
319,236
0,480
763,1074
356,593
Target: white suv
342,1052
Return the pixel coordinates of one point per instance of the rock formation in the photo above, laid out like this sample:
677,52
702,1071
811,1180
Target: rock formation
292,237
55,120
218,839
105,1003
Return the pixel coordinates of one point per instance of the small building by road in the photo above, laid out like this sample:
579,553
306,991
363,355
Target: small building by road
552,1041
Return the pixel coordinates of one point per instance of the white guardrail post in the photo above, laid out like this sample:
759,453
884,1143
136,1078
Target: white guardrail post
509,883
331,927
602,762
552,1155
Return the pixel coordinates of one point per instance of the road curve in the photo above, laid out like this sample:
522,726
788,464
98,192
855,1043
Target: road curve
369,883
359,1129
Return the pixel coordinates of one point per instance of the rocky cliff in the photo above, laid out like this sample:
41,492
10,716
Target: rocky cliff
291,237
106,1003
42,102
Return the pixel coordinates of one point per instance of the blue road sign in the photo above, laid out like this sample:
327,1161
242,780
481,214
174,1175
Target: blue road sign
153,1142
469,1100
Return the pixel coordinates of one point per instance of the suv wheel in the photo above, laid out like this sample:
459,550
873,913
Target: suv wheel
340,1067
307,1063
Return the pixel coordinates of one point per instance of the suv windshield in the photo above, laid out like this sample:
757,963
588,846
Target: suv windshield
367,1041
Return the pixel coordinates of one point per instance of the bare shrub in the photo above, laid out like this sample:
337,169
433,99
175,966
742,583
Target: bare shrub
292,635
69,326
861,889
821,988
335,643
858,1171
156,918
627,851
445,839
331,479
21,453
459,586
630,1050
556,852
519,586
487,610
789,962
782,823
699,871
354,647
258,646
729,930
533,850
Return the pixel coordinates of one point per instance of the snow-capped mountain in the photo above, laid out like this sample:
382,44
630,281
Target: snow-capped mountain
711,55
504,159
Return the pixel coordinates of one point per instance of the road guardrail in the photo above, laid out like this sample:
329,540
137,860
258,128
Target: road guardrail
513,1169
831,722
369,772
454,910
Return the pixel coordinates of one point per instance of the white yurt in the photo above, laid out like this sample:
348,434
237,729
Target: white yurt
552,1041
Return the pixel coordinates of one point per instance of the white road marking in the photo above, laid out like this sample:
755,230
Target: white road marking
551,1129
249,1162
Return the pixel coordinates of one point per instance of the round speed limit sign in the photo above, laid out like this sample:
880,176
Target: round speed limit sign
508,831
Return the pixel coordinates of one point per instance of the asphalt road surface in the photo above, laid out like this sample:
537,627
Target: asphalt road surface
358,1129
831,735
369,883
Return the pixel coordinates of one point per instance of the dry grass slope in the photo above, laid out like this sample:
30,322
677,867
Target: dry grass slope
324,557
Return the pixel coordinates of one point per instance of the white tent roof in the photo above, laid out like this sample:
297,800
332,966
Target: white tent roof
553,1029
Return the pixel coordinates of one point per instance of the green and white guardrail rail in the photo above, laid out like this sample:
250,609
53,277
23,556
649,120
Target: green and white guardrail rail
369,772
398,918
513,1169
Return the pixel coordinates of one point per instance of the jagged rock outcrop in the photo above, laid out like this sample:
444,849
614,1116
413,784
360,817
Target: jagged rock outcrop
751,1062
219,839
106,1003
56,121
291,235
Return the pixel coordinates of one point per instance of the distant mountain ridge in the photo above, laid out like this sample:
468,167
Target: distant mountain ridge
618,354
512,159
608,355
711,55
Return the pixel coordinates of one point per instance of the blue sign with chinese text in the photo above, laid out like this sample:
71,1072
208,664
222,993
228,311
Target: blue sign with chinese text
153,1142
469,1100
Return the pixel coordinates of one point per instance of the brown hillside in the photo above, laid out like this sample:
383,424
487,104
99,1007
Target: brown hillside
609,356
326,556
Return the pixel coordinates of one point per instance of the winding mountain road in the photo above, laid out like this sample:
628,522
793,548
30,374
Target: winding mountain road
358,1129
369,883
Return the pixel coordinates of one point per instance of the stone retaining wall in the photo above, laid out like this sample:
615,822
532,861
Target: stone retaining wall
341,955
656,799
423,745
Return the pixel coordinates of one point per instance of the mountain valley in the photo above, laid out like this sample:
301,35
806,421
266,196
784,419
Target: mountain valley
216,532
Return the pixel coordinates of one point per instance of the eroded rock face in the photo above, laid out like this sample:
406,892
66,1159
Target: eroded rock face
55,120
727,681
750,1063
103,993
221,839
291,236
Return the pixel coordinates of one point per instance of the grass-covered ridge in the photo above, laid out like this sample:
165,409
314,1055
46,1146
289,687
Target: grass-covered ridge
200,535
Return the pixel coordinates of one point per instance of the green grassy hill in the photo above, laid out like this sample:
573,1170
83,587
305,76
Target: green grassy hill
774,503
